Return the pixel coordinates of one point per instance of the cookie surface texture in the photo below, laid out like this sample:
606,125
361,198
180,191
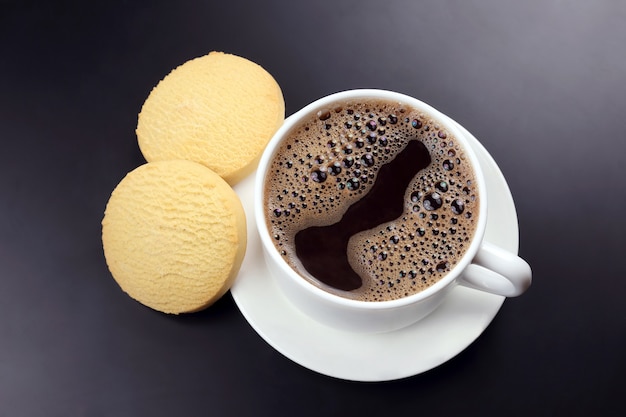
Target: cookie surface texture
174,236
219,110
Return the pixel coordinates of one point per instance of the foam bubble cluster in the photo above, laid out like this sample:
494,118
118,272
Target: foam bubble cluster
331,160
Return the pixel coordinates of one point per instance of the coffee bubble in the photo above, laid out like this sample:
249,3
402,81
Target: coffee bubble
325,115
458,206
442,186
367,160
433,201
334,169
353,184
318,175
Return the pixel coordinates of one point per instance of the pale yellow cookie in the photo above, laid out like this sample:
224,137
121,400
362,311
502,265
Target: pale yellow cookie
174,235
219,110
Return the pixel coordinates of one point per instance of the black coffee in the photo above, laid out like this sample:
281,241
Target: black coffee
371,200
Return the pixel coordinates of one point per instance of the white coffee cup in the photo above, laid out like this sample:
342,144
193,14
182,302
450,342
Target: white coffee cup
484,266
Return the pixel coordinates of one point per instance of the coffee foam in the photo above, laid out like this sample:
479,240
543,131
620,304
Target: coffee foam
331,160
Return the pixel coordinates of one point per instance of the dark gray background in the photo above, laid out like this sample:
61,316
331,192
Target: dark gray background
542,84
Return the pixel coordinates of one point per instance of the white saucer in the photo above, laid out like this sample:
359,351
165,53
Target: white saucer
461,318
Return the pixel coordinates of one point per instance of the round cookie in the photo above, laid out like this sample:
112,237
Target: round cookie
174,235
219,110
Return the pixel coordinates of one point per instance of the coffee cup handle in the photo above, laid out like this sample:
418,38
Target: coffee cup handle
497,271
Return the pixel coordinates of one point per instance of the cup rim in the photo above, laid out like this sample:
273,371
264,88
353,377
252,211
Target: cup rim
291,121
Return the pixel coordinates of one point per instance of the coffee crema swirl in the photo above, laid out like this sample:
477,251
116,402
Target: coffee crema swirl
345,231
